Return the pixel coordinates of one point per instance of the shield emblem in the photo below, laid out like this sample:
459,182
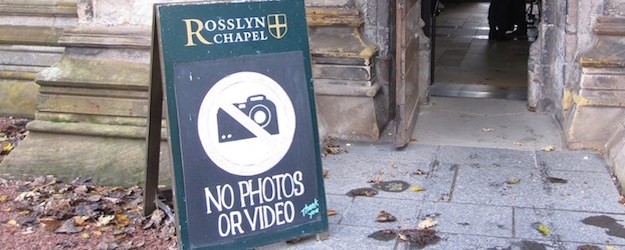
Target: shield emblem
277,25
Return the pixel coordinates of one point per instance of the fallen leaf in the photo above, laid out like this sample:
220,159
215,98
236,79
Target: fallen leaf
50,224
3,198
104,220
325,172
412,139
68,227
383,235
520,144
12,223
97,233
122,220
85,235
543,229
6,146
427,223
80,220
384,216
557,180
417,189
513,181
549,148
155,219
420,172
488,129
362,192
418,237
331,212
610,247
588,247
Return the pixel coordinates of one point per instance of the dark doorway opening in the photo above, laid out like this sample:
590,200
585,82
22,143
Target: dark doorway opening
468,64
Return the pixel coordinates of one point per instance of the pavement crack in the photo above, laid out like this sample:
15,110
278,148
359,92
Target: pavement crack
455,168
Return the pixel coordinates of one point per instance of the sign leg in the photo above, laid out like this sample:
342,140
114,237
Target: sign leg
155,117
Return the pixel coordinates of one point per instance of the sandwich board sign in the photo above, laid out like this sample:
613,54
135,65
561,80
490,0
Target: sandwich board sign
237,81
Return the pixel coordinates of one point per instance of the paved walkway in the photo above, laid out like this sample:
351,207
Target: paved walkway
472,195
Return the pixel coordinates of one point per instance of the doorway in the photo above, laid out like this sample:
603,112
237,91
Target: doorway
469,64
479,86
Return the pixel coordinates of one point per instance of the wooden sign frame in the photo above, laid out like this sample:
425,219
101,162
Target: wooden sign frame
251,56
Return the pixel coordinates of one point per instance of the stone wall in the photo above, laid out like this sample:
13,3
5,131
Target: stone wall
92,104
29,32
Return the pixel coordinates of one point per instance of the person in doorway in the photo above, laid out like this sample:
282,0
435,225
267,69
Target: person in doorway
506,19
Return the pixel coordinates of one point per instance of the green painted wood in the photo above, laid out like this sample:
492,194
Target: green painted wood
201,43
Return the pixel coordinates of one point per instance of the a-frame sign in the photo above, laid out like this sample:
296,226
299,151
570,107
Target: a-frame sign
241,119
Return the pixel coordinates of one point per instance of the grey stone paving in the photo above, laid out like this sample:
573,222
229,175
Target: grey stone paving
468,195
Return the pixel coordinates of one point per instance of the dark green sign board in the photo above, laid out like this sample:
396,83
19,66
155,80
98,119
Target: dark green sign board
241,119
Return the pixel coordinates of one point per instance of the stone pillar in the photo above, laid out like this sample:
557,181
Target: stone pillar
29,32
92,105
598,102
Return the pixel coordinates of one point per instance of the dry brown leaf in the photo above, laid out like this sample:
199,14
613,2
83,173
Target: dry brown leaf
104,220
3,198
80,220
427,223
122,220
12,223
331,212
549,148
384,216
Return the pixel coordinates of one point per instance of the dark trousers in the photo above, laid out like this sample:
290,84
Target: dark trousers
503,15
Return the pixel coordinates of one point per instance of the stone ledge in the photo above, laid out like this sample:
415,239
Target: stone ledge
90,129
70,156
608,49
126,37
30,35
74,71
39,8
324,87
318,17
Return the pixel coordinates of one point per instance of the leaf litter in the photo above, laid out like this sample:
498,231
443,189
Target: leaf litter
384,216
329,147
81,213
12,131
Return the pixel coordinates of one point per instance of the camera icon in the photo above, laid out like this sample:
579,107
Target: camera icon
258,109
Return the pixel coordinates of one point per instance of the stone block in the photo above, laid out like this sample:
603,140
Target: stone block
349,117
108,160
590,127
615,154
18,98
567,226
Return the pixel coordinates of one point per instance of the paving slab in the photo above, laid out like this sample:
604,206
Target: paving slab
583,161
364,211
527,131
568,226
340,204
581,192
469,219
485,156
340,237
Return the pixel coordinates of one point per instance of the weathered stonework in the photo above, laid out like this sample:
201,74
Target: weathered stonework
29,32
598,102
349,101
92,104
615,153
